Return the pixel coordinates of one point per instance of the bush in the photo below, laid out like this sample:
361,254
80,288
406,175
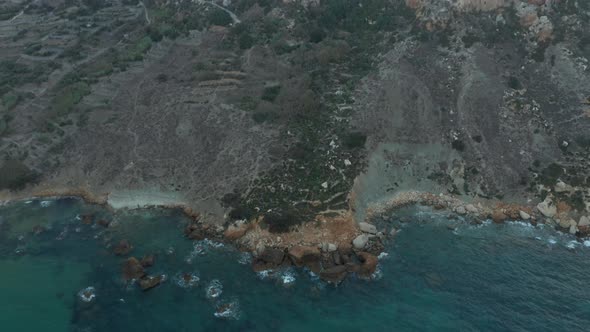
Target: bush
219,17
355,140
245,41
271,93
15,175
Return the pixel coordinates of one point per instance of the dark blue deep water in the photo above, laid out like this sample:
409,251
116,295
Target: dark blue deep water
512,277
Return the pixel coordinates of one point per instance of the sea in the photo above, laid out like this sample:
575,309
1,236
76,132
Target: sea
439,273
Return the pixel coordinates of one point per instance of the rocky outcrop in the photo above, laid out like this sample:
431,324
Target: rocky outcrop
235,231
584,226
305,256
270,258
368,264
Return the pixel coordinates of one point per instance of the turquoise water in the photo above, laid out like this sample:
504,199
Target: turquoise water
476,278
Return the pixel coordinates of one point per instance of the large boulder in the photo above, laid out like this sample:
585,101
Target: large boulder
335,274
360,241
547,208
499,217
368,264
367,228
132,269
523,215
269,258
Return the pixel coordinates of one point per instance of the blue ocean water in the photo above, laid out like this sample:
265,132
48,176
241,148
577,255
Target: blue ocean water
433,277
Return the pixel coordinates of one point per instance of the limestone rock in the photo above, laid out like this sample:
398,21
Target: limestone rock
360,241
460,210
584,221
329,247
573,229
367,228
471,208
547,208
524,215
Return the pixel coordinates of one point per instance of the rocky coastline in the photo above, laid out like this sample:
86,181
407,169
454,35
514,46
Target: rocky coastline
335,244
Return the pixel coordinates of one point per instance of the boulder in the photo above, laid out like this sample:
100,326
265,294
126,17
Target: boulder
148,261
334,274
498,216
272,256
547,208
360,241
566,223
523,215
132,269
150,282
471,208
87,219
367,228
584,226
328,247
460,210
573,229
122,248
368,264
194,232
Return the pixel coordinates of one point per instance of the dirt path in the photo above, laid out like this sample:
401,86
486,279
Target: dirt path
233,16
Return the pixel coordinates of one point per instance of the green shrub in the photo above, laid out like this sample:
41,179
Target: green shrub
271,93
219,17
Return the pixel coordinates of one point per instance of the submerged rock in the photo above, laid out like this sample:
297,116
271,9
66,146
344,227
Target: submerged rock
87,294
104,223
123,248
150,282
148,261
335,274
132,269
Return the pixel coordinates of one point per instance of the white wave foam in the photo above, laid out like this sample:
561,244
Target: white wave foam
383,255
186,280
288,277
227,310
87,294
587,243
46,203
245,258
214,289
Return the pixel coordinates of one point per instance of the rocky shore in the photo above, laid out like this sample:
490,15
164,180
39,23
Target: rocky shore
335,244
